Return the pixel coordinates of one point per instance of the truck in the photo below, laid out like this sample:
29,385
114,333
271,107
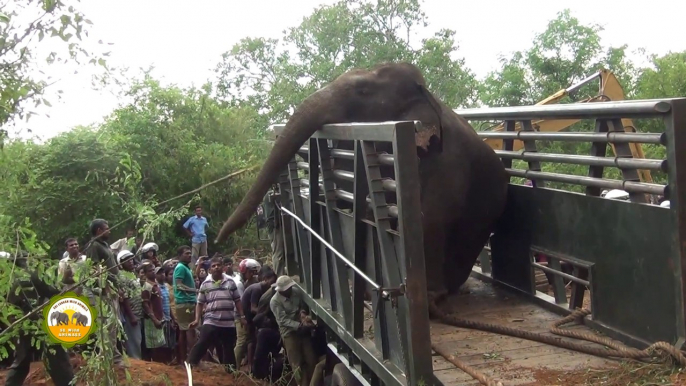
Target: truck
362,277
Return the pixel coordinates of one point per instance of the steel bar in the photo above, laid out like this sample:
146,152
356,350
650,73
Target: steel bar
303,165
638,163
560,273
384,159
388,184
628,186
377,131
619,109
348,197
652,138
332,249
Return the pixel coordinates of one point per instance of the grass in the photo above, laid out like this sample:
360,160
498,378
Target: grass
628,373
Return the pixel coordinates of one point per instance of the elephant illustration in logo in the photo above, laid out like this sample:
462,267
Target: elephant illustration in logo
59,318
81,320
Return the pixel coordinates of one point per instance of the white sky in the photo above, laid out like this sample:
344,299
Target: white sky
184,40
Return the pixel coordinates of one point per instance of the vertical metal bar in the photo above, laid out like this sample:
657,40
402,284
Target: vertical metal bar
359,213
559,289
315,254
530,147
676,156
287,223
393,325
300,234
598,149
413,306
508,144
381,337
485,259
623,150
340,273
576,300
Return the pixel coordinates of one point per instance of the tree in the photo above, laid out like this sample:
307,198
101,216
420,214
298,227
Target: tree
565,53
168,140
24,25
274,76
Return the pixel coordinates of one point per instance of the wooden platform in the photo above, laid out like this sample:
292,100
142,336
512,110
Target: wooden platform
510,360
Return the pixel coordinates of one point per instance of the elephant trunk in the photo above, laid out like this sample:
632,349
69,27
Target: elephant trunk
314,112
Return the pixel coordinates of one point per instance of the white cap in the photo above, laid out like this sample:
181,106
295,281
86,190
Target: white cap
665,204
283,283
150,246
123,255
249,265
617,194
5,255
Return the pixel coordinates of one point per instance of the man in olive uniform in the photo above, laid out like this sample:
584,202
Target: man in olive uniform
32,293
101,254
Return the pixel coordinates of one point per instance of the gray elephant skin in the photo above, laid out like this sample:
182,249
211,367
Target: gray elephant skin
463,183
81,320
59,318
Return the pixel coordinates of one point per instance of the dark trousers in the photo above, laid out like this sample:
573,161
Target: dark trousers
59,366
223,337
266,350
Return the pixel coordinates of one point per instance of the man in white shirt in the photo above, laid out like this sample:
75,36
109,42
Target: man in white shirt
72,255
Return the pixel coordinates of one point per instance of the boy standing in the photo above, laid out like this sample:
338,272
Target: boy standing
185,297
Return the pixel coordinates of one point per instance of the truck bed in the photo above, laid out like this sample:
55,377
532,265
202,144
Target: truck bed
511,360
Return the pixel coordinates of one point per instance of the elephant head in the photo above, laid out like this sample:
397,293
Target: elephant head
385,93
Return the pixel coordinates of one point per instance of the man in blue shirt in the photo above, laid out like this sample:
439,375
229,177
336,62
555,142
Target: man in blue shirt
195,227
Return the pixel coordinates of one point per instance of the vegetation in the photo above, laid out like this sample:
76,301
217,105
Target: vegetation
171,140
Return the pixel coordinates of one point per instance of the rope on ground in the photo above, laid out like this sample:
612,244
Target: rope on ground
466,368
615,350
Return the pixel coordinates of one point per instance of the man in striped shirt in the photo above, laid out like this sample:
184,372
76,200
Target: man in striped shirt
222,304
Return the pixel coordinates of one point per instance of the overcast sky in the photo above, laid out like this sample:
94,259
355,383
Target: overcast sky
185,39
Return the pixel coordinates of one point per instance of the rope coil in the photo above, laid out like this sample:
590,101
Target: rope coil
615,350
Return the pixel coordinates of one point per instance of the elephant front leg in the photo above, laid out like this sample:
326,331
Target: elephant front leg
434,255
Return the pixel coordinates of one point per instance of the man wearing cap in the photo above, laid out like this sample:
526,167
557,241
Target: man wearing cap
131,304
295,328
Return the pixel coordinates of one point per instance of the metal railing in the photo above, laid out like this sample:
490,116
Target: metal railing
601,241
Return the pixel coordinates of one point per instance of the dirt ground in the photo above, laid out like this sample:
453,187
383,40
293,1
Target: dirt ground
149,374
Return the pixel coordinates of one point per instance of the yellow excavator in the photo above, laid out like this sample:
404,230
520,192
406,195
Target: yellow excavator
610,90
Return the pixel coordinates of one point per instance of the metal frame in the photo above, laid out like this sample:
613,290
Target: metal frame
658,285
330,230
342,255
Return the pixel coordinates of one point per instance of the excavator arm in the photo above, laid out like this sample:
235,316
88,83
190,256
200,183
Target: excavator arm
610,90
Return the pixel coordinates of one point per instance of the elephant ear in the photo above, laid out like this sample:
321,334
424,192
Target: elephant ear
431,100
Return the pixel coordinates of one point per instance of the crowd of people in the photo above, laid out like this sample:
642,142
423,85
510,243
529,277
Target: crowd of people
190,307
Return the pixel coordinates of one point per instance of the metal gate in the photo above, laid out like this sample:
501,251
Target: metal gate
343,251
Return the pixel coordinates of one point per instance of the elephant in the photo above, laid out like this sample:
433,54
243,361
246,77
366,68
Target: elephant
463,183
59,318
81,320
